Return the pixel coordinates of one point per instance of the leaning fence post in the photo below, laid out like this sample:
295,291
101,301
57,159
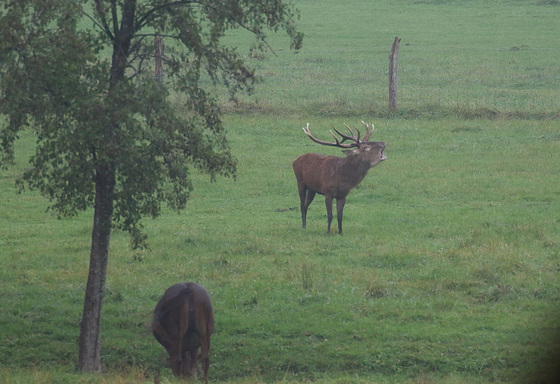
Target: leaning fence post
393,74
159,52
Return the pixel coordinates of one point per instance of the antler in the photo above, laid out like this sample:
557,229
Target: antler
339,143
368,132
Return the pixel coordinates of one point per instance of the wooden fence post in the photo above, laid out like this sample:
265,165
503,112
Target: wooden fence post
393,74
159,52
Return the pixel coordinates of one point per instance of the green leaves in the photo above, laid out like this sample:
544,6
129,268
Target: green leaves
91,110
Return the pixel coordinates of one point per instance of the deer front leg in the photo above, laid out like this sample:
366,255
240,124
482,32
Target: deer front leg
328,204
339,208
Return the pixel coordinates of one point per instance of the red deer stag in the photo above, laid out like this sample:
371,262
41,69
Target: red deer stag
183,322
334,176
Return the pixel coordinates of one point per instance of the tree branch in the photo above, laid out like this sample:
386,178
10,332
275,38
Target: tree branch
103,26
115,17
141,23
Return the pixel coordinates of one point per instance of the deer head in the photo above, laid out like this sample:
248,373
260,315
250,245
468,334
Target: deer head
371,152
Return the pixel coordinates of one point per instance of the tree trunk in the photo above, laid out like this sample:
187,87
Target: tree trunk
393,74
89,344
90,341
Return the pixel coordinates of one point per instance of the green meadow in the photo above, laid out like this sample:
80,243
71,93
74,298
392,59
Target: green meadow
448,269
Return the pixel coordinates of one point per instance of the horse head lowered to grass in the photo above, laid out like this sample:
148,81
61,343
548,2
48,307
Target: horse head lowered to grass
183,322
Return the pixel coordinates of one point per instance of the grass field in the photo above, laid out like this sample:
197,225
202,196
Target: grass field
470,58
449,266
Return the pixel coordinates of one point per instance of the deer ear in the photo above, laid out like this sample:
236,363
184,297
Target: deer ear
351,152
366,147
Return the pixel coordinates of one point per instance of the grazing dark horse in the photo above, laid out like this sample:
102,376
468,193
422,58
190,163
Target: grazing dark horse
183,323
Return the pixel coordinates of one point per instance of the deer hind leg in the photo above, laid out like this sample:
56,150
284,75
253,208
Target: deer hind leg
179,365
339,208
189,368
306,196
176,357
205,356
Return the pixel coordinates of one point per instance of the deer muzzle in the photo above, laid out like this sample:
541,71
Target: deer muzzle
383,157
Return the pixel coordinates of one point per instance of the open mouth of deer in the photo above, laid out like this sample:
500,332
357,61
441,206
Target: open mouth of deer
383,157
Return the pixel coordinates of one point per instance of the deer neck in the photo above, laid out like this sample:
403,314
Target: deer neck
353,168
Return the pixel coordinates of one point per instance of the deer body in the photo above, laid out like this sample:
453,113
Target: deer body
332,176
183,322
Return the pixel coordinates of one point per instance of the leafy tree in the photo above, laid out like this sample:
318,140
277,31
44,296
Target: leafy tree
79,73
